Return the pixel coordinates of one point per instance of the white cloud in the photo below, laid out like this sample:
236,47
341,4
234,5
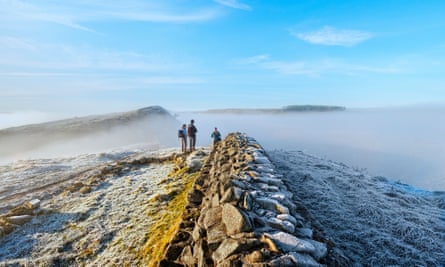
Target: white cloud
32,66
15,12
74,14
335,37
254,59
234,4
36,84
196,16
63,20
157,80
11,42
35,74
60,58
315,68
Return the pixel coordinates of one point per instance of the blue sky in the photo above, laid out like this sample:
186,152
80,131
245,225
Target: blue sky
99,56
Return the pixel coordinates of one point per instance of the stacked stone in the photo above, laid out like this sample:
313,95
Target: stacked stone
240,213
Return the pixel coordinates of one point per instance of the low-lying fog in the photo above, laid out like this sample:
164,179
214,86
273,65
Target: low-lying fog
148,133
406,145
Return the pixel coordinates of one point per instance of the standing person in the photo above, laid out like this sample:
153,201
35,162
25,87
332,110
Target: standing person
182,134
191,132
216,136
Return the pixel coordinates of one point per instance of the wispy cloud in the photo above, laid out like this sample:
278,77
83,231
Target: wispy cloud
33,84
64,20
35,74
11,42
234,4
156,80
17,12
93,59
19,55
196,16
75,14
315,68
334,37
28,66
254,59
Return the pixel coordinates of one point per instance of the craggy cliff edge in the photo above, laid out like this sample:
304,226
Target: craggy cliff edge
240,213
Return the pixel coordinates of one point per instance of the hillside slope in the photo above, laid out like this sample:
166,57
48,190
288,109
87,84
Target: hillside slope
89,134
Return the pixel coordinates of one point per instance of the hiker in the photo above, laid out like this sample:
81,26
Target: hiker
216,136
182,134
191,132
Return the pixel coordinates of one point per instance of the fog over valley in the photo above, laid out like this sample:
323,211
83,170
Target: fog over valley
403,144
372,179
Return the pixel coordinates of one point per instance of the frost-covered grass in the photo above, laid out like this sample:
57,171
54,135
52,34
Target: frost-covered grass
40,178
374,221
104,227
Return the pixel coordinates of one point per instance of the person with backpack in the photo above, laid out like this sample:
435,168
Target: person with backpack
191,132
216,136
182,134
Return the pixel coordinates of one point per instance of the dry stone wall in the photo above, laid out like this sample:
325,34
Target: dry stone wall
240,213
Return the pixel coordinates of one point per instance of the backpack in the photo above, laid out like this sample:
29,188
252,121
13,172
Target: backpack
191,130
180,133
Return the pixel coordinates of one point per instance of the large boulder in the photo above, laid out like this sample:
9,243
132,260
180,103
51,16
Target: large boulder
272,204
230,246
235,220
227,248
290,243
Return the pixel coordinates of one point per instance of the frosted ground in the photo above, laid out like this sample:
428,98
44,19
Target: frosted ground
104,227
375,222
24,180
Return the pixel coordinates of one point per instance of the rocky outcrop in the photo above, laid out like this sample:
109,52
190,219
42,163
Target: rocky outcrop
240,213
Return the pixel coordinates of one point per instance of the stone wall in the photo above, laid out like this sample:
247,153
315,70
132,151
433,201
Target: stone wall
240,213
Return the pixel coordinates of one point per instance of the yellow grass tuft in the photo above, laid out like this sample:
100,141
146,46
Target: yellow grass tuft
167,221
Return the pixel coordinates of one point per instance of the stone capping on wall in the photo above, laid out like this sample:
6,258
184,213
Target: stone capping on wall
240,213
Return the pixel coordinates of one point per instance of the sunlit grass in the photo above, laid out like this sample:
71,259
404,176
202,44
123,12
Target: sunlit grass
167,220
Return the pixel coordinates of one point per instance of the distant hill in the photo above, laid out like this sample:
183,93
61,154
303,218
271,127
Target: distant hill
87,124
286,109
125,128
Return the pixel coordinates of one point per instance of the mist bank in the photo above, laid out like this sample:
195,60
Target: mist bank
18,118
283,110
403,144
88,134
